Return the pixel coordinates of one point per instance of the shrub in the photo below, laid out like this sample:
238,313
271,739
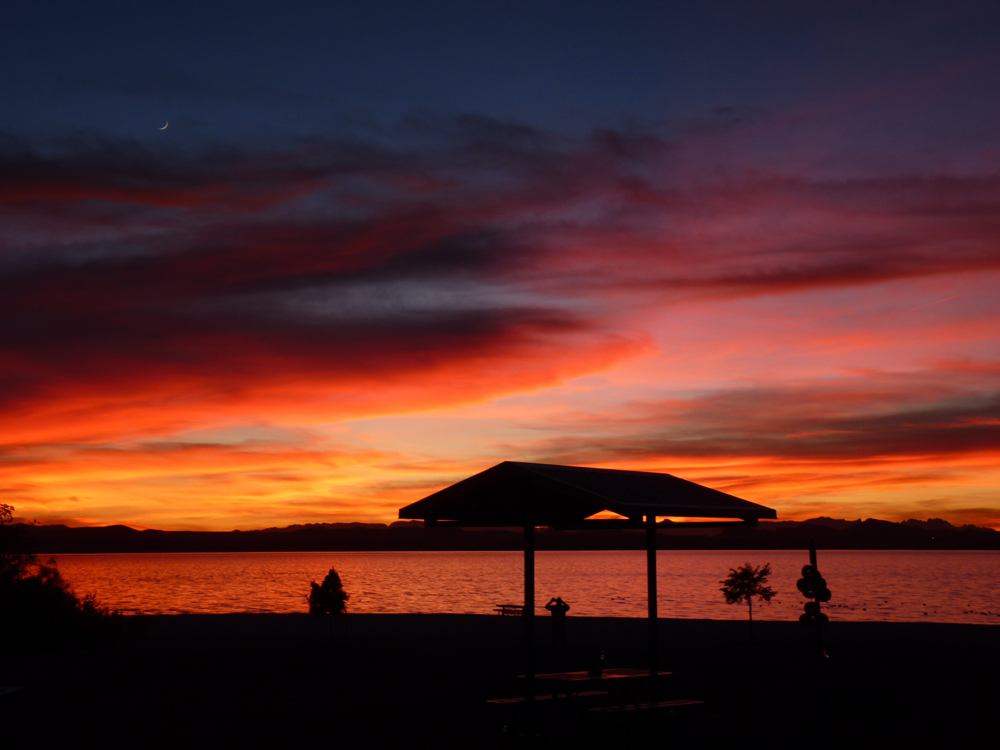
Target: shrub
38,607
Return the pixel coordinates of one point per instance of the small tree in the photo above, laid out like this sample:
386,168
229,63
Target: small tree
329,597
746,583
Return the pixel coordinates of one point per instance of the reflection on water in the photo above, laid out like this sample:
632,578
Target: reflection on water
897,586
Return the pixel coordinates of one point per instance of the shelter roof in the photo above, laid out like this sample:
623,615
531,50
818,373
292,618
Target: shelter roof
514,494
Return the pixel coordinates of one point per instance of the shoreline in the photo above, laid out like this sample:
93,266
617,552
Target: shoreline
776,628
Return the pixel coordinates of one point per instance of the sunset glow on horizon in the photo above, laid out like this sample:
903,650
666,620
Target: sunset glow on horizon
791,297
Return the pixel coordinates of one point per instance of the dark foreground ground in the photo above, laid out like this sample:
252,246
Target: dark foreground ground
423,681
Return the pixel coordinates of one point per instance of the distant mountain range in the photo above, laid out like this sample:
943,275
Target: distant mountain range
827,533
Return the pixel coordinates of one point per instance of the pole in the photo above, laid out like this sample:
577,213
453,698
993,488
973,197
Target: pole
529,631
821,652
654,659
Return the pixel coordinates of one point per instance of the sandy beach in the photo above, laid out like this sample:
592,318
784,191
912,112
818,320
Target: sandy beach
423,681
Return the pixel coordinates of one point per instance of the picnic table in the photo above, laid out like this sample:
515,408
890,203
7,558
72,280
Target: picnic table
509,610
570,683
576,692
615,673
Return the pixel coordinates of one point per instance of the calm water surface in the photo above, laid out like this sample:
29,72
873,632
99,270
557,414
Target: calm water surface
897,586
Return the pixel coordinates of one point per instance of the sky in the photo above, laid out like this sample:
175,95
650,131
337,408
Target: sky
263,266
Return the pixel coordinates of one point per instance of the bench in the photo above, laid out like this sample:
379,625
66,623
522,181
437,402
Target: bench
646,706
509,610
557,708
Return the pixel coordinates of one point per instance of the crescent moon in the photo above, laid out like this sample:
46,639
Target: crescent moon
164,127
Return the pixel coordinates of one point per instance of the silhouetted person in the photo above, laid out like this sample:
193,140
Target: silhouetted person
558,608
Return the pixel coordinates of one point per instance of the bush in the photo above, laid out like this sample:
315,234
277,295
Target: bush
38,607
328,597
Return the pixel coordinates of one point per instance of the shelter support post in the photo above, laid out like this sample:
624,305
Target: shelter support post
654,660
529,630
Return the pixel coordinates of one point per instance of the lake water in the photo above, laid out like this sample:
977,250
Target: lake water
892,586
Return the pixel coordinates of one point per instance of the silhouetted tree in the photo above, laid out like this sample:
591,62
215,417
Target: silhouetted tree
38,605
746,583
328,597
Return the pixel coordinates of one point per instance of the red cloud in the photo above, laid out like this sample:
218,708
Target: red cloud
143,294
